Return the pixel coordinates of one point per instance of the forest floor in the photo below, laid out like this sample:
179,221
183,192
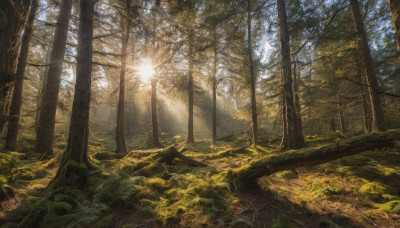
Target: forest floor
134,191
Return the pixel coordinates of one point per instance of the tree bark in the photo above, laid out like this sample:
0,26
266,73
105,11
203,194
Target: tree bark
364,103
297,105
154,117
12,21
16,103
284,123
252,77
295,139
79,124
214,90
43,79
338,98
190,137
395,11
248,174
120,129
45,135
378,120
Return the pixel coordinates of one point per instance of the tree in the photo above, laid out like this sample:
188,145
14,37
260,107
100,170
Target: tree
395,11
126,26
16,103
79,125
13,16
252,77
378,121
45,134
295,139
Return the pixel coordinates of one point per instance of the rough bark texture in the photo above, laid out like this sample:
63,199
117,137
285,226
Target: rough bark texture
190,137
295,139
378,121
45,136
120,130
154,117
395,11
252,77
248,174
16,103
79,125
12,21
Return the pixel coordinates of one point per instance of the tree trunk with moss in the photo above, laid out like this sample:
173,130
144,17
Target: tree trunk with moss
16,103
79,125
252,78
247,175
13,15
47,117
120,129
378,121
295,139
395,11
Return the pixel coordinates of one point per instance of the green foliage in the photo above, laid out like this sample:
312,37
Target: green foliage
373,190
392,206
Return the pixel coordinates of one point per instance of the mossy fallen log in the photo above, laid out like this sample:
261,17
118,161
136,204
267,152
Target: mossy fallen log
169,154
248,174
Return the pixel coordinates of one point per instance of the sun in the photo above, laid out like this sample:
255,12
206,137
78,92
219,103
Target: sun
146,71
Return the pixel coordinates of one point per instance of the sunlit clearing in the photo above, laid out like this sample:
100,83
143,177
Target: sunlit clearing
146,71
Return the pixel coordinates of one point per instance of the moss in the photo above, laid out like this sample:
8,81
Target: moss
287,175
392,206
60,208
35,215
58,221
373,190
105,222
72,175
157,183
6,191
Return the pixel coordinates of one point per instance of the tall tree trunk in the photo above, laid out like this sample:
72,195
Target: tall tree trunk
120,130
296,77
378,120
43,79
15,109
190,137
79,124
295,139
44,140
364,102
154,118
284,123
12,21
252,77
395,10
214,90
332,125
338,98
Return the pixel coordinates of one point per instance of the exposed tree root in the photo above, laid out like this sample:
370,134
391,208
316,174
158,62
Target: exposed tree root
248,174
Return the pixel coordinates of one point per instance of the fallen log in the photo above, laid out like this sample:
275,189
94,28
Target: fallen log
247,175
169,154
